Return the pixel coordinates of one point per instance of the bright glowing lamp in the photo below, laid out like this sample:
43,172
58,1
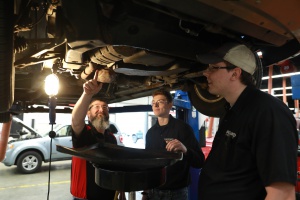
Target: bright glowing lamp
51,85
51,89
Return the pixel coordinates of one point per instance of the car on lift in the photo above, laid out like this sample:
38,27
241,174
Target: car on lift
142,45
30,150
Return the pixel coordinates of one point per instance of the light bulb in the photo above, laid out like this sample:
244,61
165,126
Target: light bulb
51,85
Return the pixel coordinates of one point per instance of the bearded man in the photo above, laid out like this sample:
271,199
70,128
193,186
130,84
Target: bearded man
83,184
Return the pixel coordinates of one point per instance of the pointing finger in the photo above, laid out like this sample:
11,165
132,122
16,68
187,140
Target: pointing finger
96,75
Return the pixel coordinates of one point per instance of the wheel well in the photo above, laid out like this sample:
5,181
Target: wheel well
35,150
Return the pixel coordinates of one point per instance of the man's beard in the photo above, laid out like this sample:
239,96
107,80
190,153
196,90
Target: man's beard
100,122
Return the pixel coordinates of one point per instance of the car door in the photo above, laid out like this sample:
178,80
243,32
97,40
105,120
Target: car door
63,138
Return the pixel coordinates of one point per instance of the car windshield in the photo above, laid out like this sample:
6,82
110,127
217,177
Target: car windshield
63,130
45,134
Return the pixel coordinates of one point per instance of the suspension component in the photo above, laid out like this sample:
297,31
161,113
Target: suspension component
20,44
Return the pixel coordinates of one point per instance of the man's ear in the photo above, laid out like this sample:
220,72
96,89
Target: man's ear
237,72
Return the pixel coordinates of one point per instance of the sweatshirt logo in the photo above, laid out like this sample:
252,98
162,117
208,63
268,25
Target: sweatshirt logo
230,134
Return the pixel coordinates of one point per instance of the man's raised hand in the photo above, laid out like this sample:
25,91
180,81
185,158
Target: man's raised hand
92,86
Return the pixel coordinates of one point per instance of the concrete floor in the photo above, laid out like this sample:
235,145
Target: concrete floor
14,185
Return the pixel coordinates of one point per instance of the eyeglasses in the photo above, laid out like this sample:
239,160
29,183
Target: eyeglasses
97,107
212,68
159,102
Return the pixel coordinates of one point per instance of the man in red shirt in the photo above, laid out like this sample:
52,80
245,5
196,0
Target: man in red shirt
83,184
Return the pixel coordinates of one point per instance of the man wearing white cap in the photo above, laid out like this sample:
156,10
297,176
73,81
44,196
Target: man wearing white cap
254,153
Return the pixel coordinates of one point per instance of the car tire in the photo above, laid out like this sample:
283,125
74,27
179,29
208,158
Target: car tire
7,72
206,103
29,162
211,105
134,138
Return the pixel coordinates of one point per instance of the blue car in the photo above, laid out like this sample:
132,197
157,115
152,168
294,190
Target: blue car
31,149
136,136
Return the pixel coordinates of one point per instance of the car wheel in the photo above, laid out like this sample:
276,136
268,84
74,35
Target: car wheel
211,105
29,162
203,101
7,75
134,138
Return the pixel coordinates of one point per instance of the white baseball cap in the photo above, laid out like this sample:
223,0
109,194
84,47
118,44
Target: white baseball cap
237,54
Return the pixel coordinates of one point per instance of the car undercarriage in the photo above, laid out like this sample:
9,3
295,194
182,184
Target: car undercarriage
145,44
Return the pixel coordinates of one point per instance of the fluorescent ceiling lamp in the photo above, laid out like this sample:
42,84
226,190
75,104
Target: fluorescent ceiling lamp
281,75
259,53
280,95
279,88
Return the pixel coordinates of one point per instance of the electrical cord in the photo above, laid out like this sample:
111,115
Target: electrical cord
52,134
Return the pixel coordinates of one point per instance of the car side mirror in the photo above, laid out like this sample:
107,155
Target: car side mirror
20,132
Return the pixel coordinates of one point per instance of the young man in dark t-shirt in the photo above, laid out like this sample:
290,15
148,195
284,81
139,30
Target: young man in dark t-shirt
254,153
175,135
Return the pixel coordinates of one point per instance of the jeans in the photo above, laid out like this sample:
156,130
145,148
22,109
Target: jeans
179,194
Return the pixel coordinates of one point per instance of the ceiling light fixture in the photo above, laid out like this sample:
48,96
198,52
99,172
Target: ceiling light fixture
280,95
281,75
278,88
